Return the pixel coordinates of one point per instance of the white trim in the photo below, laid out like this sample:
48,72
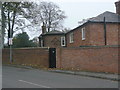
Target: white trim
71,38
83,33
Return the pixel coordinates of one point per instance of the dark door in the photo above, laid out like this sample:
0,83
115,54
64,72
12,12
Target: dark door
52,58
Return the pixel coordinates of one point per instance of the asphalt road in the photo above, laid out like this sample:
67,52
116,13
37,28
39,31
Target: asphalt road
34,78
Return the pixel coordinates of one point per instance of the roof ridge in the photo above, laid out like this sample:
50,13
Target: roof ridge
106,12
110,17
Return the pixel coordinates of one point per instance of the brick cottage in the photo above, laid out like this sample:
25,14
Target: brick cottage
97,31
100,30
51,39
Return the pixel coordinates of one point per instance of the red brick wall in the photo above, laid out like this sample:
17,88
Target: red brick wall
34,56
112,34
78,37
96,59
95,35
52,41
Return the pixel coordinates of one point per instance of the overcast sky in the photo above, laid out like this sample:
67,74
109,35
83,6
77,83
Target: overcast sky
76,10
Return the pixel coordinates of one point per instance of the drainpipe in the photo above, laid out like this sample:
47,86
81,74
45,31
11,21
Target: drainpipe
105,39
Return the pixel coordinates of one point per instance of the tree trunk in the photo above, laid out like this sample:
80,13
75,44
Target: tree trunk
3,25
9,26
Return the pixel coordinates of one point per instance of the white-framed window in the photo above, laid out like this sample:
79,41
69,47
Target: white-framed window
71,37
63,42
83,33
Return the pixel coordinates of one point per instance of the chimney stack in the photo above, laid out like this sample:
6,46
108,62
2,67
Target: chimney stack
43,28
117,4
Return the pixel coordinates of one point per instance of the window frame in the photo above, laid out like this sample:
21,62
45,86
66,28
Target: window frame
63,39
83,33
71,37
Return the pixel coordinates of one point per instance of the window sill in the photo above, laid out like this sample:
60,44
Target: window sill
83,39
71,42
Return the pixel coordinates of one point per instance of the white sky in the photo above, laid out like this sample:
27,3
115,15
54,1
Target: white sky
76,10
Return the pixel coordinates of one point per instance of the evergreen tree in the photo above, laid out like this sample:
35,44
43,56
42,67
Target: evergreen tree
22,40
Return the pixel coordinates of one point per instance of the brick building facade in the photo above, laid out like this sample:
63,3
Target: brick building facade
100,30
97,31
51,39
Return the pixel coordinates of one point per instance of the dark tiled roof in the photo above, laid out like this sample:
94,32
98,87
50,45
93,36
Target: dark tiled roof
54,32
109,16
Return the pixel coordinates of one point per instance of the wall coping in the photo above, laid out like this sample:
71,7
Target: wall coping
90,47
30,48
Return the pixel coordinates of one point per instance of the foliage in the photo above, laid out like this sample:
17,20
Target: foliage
15,15
11,14
22,40
49,14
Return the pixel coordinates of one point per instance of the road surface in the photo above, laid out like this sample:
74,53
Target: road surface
33,78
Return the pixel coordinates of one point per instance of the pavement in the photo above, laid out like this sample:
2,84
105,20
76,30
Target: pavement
109,76
27,77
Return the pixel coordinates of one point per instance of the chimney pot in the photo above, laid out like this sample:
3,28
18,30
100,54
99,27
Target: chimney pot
43,29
